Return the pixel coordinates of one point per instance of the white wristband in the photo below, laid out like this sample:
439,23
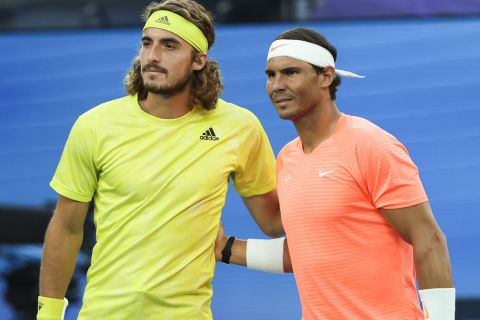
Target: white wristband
265,255
438,303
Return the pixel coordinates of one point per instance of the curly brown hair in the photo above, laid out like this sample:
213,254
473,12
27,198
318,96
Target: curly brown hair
207,82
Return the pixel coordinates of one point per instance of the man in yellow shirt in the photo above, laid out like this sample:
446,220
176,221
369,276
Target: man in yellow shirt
157,164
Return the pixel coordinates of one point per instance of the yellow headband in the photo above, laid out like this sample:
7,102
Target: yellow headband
183,28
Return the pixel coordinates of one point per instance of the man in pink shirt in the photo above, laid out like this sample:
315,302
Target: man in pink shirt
359,226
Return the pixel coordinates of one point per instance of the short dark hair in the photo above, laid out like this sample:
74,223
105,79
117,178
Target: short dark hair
313,36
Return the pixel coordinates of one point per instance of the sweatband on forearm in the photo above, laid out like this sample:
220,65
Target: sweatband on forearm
438,303
51,308
265,255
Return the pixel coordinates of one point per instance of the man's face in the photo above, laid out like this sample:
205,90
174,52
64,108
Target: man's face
293,87
166,62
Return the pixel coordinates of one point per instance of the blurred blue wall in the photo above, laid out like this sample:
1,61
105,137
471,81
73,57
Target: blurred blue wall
334,9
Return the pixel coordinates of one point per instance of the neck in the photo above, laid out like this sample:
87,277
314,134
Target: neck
317,126
167,106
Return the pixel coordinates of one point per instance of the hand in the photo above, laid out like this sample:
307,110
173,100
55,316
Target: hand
220,242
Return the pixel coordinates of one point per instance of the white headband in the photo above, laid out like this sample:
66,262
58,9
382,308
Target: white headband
308,52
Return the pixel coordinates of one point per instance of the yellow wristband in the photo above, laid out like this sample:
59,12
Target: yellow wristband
51,308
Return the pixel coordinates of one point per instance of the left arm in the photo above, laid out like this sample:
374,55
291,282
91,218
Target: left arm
417,226
265,210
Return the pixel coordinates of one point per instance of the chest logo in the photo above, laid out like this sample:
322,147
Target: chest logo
324,173
209,135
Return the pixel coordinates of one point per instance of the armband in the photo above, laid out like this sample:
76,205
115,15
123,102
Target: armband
51,308
265,255
438,303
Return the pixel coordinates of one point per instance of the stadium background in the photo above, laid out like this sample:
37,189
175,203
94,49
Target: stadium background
421,58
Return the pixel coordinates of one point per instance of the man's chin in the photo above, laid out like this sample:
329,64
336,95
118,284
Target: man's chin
159,90
166,90
285,115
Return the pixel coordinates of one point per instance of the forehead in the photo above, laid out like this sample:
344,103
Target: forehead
160,34
279,63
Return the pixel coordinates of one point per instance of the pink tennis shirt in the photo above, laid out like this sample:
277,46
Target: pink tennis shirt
349,263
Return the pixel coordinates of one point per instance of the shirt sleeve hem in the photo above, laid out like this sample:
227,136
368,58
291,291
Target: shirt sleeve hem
62,190
404,204
257,191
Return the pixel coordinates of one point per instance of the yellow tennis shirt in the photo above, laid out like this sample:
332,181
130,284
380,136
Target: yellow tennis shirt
159,186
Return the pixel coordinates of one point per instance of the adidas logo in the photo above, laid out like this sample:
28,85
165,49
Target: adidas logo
209,135
163,20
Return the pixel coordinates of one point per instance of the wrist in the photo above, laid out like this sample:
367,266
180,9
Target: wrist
219,245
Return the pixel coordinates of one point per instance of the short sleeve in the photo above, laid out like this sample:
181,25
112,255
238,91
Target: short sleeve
391,176
76,175
256,171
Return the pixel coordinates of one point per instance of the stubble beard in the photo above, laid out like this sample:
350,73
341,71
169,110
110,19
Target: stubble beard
283,113
168,90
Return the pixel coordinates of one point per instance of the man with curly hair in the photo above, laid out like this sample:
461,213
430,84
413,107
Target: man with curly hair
157,164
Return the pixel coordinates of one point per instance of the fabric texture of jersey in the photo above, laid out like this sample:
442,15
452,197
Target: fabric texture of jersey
159,186
348,262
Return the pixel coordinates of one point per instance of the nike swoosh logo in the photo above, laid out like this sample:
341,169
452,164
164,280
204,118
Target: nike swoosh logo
276,47
324,173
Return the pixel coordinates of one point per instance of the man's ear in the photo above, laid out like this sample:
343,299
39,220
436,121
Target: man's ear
199,61
328,76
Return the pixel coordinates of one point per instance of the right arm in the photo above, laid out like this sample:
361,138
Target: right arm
63,239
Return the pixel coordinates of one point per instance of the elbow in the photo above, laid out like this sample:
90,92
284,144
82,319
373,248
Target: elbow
273,232
432,262
434,245
271,227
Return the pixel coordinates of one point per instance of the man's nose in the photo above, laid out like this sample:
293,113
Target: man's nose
278,83
154,54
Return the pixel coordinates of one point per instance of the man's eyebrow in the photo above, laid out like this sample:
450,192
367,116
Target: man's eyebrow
289,69
167,40
163,40
283,70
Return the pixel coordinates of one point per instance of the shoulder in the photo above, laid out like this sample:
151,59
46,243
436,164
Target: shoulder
236,114
362,126
367,143
103,112
291,146
357,131
107,108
